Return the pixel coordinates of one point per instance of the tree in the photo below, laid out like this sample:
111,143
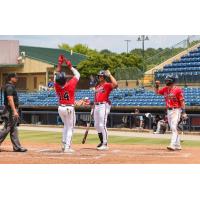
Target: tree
131,60
132,63
65,47
106,51
92,65
78,48
81,48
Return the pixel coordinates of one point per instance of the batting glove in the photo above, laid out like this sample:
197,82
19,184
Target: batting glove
68,63
60,59
107,73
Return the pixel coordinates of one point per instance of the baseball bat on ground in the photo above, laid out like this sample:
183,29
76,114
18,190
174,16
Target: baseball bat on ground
182,131
181,128
88,127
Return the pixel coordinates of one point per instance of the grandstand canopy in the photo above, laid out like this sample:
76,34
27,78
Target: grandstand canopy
50,55
13,65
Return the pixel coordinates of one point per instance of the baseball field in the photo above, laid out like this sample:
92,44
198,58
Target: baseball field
45,148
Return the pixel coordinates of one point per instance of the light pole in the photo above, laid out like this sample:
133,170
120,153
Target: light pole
143,38
188,41
127,41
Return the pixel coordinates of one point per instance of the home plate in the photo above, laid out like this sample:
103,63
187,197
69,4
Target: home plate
50,152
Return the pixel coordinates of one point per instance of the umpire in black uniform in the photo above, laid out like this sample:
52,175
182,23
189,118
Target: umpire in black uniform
10,114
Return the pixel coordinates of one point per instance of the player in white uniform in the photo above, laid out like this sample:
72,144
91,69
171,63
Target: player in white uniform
66,92
175,105
102,106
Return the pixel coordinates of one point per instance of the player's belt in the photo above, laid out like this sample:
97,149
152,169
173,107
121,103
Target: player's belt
172,108
99,103
65,105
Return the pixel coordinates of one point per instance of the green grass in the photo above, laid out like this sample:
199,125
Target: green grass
46,137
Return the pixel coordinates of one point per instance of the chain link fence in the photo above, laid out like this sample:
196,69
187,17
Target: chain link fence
128,73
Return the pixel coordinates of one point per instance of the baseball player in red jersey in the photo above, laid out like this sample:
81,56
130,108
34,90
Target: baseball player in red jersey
65,91
175,105
102,106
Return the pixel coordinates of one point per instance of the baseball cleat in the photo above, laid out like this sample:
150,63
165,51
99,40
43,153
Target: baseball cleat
99,145
68,150
22,150
103,148
171,148
178,147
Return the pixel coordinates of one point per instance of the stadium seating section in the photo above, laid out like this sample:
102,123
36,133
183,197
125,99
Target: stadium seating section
119,97
186,70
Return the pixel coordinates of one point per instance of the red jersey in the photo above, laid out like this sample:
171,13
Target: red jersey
67,92
102,92
173,96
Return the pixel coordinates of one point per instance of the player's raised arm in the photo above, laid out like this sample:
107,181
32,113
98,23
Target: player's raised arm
60,62
113,80
75,71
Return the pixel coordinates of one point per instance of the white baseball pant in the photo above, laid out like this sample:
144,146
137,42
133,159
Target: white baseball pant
174,116
101,112
67,114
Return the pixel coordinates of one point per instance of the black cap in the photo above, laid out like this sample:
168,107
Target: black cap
101,73
11,75
170,79
61,78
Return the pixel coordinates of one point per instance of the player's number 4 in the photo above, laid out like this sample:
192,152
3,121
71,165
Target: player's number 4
64,97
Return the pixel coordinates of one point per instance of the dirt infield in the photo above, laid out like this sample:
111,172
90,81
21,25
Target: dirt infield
87,154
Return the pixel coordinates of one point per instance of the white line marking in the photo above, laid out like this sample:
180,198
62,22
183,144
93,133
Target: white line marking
169,155
42,150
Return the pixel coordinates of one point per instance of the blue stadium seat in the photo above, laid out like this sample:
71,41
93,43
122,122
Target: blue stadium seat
119,97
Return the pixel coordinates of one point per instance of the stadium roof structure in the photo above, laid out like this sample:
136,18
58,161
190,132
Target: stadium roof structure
12,65
50,55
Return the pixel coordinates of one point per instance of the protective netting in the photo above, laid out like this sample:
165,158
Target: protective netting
129,73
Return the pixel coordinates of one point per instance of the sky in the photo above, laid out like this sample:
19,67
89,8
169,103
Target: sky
113,43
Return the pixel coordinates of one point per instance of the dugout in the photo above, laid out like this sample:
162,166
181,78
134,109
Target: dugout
120,117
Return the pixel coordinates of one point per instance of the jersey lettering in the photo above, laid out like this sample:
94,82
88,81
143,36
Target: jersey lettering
64,96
